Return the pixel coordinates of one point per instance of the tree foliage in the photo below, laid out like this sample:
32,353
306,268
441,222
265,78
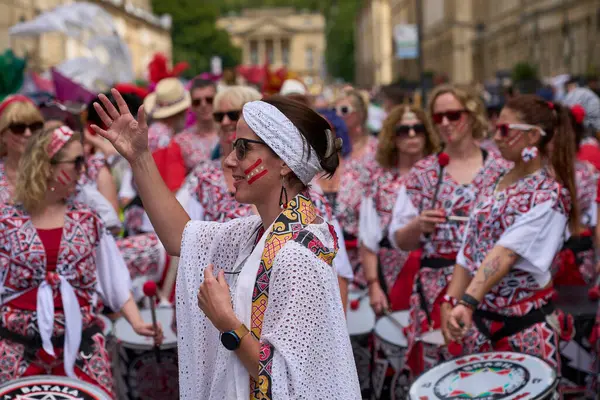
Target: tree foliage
195,36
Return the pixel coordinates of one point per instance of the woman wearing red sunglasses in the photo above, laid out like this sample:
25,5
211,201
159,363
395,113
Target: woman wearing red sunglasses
502,281
19,120
433,202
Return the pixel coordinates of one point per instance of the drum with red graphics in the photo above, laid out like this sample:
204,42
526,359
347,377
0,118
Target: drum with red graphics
488,376
48,387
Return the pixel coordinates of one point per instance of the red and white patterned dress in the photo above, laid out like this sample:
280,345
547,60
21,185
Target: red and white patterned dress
380,196
58,274
354,182
6,195
159,136
528,217
575,264
94,164
194,147
439,249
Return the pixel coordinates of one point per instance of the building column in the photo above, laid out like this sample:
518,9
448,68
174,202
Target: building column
277,55
246,57
262,51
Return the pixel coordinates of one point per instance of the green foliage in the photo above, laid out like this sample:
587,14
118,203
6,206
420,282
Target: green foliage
524,71
195,36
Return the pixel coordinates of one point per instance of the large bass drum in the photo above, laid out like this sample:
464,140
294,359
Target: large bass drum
494,375
49,387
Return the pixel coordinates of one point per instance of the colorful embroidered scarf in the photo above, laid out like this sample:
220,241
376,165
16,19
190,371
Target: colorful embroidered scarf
290,225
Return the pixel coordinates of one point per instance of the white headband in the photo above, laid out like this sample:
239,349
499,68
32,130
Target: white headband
282,136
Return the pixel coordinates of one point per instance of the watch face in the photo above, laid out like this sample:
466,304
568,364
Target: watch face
230,340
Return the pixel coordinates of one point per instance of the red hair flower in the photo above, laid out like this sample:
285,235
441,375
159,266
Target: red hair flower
578,113
550,105
443,159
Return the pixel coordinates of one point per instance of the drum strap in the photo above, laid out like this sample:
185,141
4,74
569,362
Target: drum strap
511,325
579,244
32,345
423,300
437,262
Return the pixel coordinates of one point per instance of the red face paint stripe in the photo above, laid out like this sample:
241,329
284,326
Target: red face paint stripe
250,168
257,176
60,180
65,175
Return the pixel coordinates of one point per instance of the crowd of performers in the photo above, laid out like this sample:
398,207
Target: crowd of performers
471,226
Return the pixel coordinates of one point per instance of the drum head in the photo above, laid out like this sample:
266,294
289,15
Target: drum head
387,330
362,320
48,387
494,375
126,335
433,337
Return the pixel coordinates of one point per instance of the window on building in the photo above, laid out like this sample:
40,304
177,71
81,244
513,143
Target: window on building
270,50
285,51
253,52
310,57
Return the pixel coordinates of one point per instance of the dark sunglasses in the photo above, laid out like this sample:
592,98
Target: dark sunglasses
452,116
241,147
404,130
19,129
232,115
196,102
78,161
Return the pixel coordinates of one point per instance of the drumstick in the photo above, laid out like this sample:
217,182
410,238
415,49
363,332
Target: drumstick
398,325
150,291
457,218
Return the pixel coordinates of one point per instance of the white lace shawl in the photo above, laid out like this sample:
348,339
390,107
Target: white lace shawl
304,320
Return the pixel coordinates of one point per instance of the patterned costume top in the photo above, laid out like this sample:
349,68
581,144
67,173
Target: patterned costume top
416,195
352,186
528,217
195,148
273,297
94,164
375,217
5,189
159,136
586,181
88,264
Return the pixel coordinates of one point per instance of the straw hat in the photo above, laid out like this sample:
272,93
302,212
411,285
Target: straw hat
169,98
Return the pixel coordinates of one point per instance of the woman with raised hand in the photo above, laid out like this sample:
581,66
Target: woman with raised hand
502,282
281,328
56,257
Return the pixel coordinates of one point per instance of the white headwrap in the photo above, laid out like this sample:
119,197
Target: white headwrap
282,136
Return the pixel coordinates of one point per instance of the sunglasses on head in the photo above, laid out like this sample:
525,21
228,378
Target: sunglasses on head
452,116
198,101
241,147
344,110
232,115
78,162
504,129
404,130
19,129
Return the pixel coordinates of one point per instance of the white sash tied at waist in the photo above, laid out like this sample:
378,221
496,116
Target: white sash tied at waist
73,321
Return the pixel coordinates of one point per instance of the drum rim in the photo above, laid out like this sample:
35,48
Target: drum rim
420,339
552,387
365,299
385,340
93,390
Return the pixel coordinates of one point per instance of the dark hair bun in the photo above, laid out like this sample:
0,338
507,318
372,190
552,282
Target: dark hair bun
313,128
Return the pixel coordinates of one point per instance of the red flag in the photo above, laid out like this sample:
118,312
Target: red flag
171,166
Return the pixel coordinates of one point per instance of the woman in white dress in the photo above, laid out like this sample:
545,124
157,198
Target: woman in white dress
264,284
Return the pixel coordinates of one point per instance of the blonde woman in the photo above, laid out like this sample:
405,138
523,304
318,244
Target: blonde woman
20,119
434,201
406,138
49,286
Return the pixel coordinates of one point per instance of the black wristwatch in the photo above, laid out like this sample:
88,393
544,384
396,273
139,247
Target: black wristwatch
232,339
469,301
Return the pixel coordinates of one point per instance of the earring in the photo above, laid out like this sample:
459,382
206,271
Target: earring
529,153
52,188
283,194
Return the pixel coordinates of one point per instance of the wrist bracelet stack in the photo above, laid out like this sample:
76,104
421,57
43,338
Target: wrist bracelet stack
450,300
469,301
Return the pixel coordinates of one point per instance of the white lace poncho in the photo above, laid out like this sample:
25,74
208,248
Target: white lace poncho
304,320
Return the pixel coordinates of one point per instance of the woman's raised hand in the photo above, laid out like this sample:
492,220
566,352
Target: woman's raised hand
130,137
